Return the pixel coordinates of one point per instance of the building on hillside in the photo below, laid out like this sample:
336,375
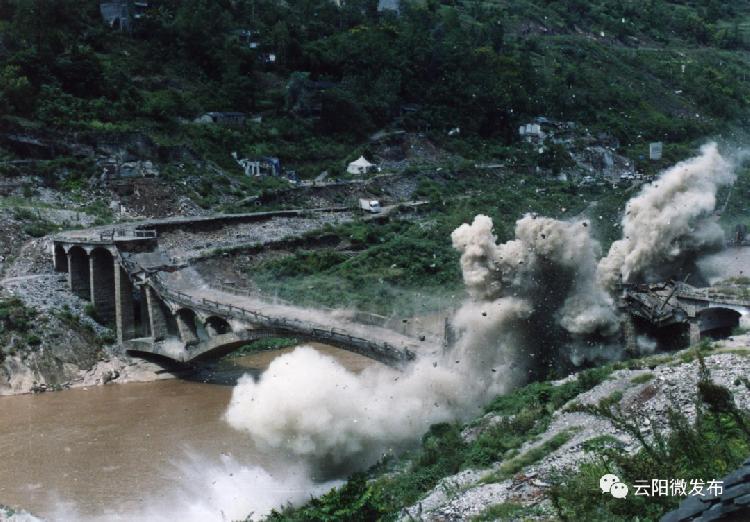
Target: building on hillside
389,5
655,151
230,119
120,14
360,166
261,167
531,132
116,169
247,37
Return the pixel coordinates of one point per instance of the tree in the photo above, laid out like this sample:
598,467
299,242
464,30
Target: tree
16,91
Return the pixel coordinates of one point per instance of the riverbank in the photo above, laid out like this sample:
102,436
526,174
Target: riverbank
115,369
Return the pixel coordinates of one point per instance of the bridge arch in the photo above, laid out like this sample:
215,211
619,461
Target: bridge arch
217,326
60,259
79,278
718,321
187,325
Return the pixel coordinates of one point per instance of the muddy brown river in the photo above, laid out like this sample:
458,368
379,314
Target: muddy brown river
116,447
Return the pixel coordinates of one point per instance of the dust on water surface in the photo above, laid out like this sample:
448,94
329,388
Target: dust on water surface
117,445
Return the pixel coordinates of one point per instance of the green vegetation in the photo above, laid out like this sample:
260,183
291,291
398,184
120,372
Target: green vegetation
643,378
407,266
84,329
17,323
261,345
15,316
535,454
34,224
671,71
508,511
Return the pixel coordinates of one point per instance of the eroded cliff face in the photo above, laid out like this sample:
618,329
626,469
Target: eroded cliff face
43,351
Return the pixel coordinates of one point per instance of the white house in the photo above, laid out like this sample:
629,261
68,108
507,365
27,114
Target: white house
655,150
360,166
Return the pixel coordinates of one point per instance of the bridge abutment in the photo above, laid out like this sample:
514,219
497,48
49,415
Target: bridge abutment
157,317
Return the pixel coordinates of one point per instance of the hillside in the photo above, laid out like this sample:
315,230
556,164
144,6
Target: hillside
99,121
671,71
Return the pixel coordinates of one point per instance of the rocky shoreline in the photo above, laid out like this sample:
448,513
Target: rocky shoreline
118,369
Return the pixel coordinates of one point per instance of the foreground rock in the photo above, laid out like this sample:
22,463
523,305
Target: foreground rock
650,393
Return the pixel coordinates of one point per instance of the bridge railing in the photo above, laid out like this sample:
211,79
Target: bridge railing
359,316
305,328
110,235
145,233
719,297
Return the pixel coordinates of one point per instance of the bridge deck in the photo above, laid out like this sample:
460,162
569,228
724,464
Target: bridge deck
325,326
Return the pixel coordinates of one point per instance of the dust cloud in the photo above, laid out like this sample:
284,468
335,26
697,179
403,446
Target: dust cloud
671,222
211,491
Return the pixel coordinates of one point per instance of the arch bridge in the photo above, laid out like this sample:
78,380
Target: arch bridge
154,312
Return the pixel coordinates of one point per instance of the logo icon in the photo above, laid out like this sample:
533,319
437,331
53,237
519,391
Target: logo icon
611,484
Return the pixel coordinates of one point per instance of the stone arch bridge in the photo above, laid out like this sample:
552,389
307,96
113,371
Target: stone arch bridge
162,309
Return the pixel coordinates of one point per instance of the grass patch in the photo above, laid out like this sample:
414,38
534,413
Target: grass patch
642,379
535,454
508,511
263,345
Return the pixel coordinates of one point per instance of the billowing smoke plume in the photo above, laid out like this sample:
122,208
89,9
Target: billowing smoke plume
535,287
670,222
538,301
549,261
308,404
547,274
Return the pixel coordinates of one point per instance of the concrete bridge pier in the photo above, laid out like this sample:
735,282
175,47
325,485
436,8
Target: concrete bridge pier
60,259
694,332
124,305
187,326
631,337
102,270
79,278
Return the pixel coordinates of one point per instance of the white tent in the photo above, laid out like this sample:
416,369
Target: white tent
360,166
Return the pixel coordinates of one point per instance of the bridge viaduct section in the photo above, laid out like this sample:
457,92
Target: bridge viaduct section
96,274
152,314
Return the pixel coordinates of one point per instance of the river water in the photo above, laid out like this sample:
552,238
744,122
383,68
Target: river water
118,447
